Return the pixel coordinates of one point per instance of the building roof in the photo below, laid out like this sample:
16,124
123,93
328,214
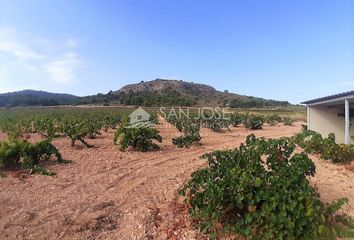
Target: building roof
326,98
139,111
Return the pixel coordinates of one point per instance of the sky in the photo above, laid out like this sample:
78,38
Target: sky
283,50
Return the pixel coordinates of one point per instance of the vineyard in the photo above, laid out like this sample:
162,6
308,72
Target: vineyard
128,178
18,152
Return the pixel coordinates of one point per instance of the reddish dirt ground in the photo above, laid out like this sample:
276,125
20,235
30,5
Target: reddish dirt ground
107,194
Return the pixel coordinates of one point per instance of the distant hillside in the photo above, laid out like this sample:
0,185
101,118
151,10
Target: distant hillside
158,92
35,98
178,92
163,85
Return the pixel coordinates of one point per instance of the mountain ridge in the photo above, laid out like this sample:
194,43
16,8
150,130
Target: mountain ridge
36,93
28,97
158,92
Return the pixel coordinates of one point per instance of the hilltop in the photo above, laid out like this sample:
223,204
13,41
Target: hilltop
188,93
162,85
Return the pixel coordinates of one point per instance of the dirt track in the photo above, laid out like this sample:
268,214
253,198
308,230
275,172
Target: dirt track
108,194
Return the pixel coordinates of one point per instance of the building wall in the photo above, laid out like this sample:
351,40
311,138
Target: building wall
326,120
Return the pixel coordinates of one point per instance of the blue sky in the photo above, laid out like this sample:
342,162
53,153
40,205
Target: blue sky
286,50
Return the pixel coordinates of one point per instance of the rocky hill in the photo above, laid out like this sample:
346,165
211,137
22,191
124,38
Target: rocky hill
162,85
194,93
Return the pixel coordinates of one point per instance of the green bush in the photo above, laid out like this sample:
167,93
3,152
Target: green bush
346,154
273,119
254,122
110,121
345,226
15,128
178,122
237,119
140,138
260,191
47,127
288,121
10,154
309,140
23,154
191,135
78,128
338,153
313,142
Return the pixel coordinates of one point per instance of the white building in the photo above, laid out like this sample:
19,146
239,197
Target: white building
332,114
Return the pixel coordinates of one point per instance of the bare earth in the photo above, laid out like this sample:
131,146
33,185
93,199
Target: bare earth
108,194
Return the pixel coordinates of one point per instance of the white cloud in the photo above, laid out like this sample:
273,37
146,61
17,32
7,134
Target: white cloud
9,44
18,50
29,60
63,69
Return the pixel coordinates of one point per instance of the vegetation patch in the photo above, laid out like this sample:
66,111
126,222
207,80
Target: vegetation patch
288,121
139,138
261,191
237,118
254,122
191,131
313,142
20,154
273,119
216,122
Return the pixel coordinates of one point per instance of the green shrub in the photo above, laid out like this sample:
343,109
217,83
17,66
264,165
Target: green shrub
178,122
216,123
309,140
254,122
288,121
10,154
313,142
140,138
15,128
77,129
46,126
273,119
237,119
191,135
338,153
23,154
260,199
